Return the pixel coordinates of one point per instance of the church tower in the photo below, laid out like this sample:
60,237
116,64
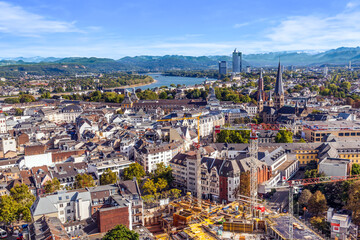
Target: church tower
260,103
270,102
127,102
261,87
279,100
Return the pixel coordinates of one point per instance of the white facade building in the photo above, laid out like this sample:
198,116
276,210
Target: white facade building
36,160
67,206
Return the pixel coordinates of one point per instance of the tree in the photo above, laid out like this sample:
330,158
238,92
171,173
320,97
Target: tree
175,193
233,136
121,232
164,172
353,203
22,195
26,98
302,140
163,95
305,197
46,95
134,170
355,169
52,185
147,95
313,173
284,136
161,184
150,187
317,203
83,181
319,223
346,86
18,112
108,177
17,205
8,209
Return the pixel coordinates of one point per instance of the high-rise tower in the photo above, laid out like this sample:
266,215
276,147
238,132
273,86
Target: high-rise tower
222,67
279,99
237,61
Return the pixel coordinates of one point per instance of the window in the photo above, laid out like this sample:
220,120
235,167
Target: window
352,134
68,211
347,134
68,204
61,205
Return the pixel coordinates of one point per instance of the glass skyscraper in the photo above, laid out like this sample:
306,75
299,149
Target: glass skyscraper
237,61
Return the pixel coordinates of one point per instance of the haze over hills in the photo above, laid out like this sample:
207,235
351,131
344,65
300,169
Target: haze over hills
339,56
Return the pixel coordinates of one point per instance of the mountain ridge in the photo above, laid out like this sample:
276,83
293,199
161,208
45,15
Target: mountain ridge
339,56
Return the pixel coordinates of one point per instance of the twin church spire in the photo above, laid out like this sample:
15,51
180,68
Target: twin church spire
279,99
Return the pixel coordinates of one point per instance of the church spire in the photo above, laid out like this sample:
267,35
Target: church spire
260,92
279,87
279,99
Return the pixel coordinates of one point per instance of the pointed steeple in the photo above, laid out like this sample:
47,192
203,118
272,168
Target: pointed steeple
279,87
297,107
270,102
127,102
261,81
134,97
260,92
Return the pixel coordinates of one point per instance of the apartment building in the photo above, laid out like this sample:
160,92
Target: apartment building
65,205
148,155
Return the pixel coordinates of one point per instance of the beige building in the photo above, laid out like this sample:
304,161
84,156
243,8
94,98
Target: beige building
319,131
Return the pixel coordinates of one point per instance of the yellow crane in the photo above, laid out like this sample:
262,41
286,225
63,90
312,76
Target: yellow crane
185,118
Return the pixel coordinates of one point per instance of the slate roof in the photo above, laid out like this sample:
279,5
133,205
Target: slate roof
279,87
72,108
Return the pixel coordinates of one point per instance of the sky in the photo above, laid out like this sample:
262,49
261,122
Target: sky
118,28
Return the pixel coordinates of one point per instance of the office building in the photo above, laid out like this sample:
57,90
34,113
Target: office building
222,67
237,61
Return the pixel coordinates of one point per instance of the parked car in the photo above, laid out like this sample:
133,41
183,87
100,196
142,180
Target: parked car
3,234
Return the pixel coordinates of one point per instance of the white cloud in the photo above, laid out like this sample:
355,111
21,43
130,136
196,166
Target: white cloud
306,32
239,25
317,32
18,21
350,5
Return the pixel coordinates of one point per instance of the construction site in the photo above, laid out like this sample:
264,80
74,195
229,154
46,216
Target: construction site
187,219
248,217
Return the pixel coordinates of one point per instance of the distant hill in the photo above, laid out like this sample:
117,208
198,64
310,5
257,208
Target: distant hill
171,62
339,56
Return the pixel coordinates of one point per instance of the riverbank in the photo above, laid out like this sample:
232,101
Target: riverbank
137,85
167,81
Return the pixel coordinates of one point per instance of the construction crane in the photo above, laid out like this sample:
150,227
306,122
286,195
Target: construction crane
253,150
185,118
198,154
291,184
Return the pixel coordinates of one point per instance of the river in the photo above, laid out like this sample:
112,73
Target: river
162,80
